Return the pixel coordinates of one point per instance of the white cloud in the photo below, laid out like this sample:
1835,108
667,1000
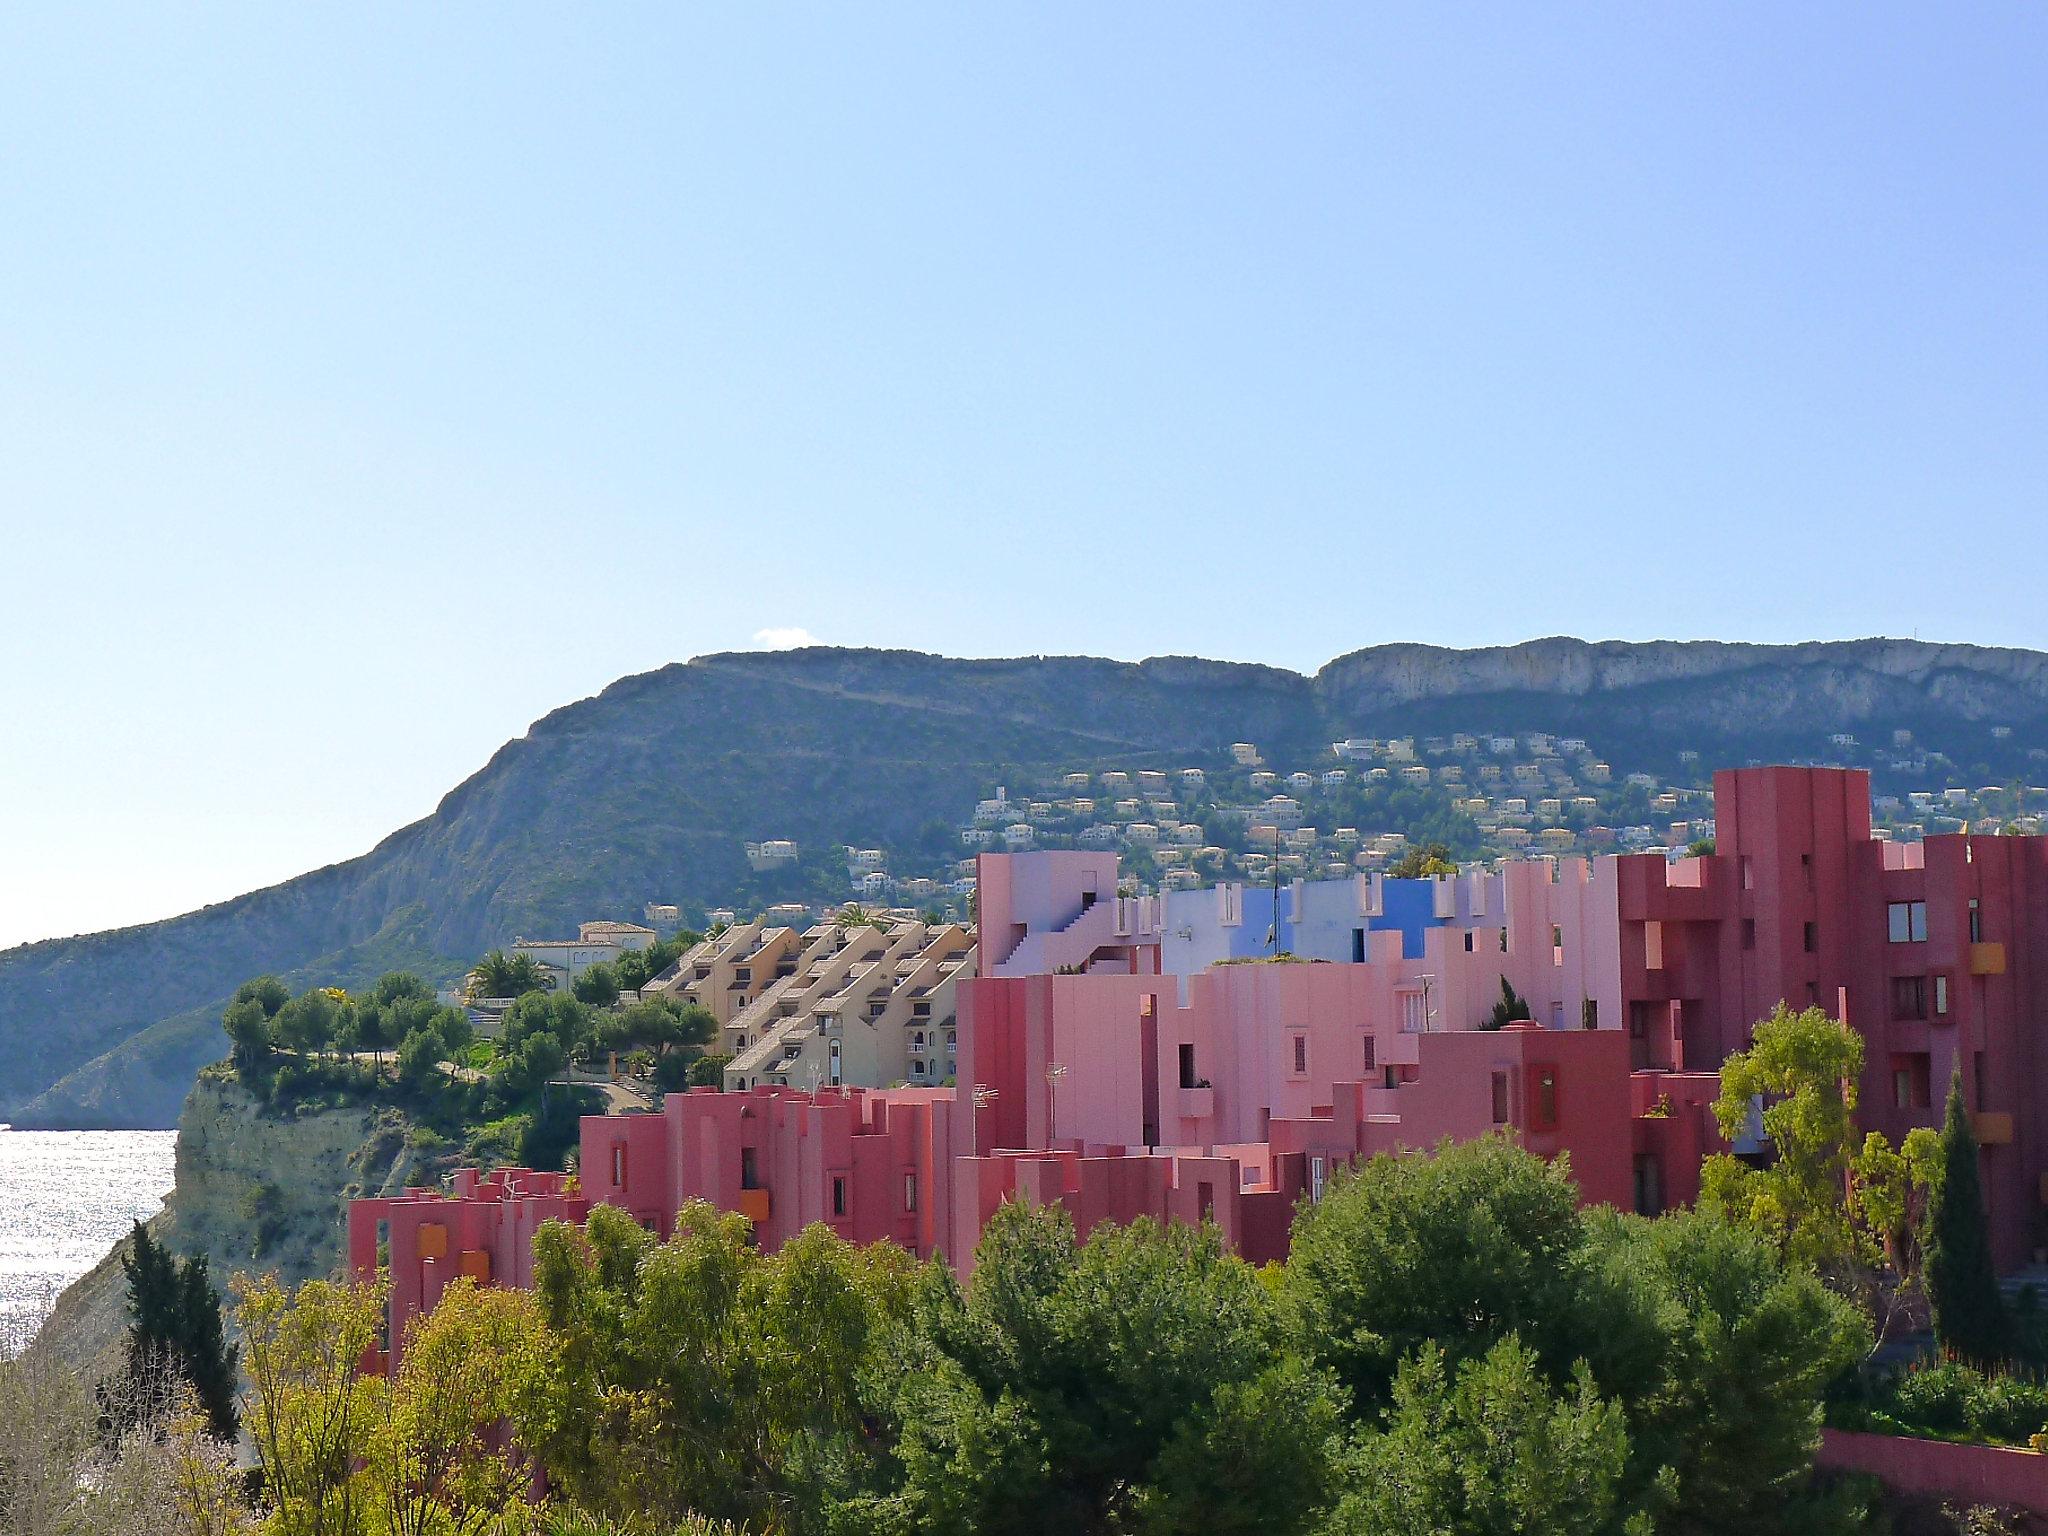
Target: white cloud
785,637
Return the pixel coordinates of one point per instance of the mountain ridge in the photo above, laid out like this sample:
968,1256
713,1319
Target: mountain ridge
649,788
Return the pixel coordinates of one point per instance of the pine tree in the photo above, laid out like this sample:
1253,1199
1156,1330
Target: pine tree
1969,1318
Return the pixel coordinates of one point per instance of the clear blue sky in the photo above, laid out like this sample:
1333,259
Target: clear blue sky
377,378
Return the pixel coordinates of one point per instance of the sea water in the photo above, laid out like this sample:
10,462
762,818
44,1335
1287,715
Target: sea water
65,1197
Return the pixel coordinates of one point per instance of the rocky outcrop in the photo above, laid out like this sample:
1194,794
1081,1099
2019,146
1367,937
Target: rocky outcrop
255,1192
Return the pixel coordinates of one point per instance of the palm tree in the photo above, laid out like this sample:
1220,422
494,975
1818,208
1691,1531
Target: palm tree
501,975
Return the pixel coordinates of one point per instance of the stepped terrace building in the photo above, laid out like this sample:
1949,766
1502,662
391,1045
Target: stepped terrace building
1167,1056
865,1003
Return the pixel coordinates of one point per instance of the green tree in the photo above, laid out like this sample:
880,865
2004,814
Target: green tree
312,1409
501,975
433,1452
174,1319
310,1022
1419,863
1489,1448
267,992
250,1033
597,986
1962,1287
702,1377
1462,1248
1726,1419
1511,1008
420,1055
707,1071
1140,1381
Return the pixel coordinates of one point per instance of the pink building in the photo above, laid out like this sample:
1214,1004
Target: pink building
1936,952
1092,1079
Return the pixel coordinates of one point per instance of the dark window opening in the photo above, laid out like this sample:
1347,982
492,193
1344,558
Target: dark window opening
838,1195
1187,1066
1500,1098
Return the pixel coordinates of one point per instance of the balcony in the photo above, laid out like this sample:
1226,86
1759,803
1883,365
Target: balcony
1987,959
754,1205
1993,1128
1197,1103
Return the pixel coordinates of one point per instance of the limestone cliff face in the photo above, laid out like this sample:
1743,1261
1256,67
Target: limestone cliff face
255,1192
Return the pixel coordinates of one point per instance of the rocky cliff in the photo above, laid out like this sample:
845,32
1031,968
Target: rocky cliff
653,787
255,1192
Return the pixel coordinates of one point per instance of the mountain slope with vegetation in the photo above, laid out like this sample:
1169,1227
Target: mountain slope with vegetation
650,789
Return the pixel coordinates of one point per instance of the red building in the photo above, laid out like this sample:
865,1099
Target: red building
1935,952
1116,1091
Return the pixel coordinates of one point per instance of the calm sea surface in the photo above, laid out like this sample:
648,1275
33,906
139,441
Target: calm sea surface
65,1196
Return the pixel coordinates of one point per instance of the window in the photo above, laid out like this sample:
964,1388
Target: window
1543,1114
910,1192
1391,1077
1653,945
1589,1013
832,1053
1810,937
1317,1176
1649,1185
750,1173
1357,946
1300,1055
1907,921
1205,1199
1748,871
1556,945
1941,997
1976,922
1639,1020
1909,997
1369,1053
1187,1065
1500,1098
618,1167
1471,941
1911,1088
1503,941
838,1194
1749,933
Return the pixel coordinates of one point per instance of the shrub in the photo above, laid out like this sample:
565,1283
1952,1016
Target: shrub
1936,1397
2009,1409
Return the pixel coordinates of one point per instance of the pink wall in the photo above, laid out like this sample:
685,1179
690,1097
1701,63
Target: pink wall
1962,1474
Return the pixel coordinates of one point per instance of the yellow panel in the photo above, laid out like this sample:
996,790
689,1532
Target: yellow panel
1987,959
433,1240
754,1204
1993,1128
476,1264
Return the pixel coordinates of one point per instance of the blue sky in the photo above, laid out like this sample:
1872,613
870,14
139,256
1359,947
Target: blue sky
378,378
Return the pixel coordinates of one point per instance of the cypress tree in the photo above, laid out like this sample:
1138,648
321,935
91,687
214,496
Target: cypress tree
174,1315
1969,1316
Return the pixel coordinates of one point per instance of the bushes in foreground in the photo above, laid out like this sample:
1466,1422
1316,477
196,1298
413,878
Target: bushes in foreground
1454,1348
